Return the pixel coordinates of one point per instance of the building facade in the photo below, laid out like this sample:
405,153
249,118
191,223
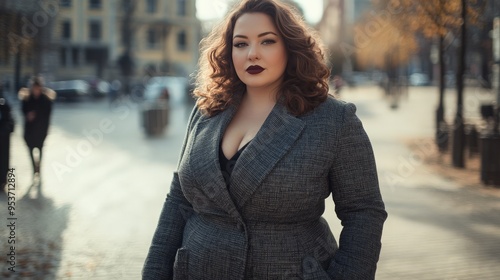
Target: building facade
90,35
87,38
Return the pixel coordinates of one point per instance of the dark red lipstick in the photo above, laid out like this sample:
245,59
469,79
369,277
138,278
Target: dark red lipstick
254,69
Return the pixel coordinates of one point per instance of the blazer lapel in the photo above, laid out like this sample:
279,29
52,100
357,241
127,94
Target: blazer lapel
205,159
276,136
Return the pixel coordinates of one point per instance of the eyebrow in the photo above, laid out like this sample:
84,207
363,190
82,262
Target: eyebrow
260,35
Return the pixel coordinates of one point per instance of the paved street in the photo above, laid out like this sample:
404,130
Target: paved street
436,229
104,182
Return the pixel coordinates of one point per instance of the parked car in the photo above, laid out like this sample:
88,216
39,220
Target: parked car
176,86
97,87
71,89
419,79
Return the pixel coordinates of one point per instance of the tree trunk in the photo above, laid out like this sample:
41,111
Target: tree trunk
458,127
441,126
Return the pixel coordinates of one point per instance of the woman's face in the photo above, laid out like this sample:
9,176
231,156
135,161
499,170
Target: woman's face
37,91
259,54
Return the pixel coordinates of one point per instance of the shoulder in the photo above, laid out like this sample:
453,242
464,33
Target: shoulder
50,93
23,94
195,116
332,111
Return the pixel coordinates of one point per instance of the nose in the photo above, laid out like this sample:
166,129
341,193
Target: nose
253,53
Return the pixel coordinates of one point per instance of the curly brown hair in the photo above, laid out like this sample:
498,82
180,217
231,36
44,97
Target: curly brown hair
305,83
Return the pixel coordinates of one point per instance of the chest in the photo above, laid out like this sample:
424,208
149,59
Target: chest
239,132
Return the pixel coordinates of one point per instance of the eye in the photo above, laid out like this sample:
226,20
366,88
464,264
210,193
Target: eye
268,42
239,44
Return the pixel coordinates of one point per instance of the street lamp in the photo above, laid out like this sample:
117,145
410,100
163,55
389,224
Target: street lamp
496,72
458,125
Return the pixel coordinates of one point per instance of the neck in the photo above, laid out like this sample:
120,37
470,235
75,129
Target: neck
260,98
256,104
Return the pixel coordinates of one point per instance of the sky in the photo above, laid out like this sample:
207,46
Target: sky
215,9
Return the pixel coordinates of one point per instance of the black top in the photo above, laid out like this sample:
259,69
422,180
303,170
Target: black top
227,165
36,130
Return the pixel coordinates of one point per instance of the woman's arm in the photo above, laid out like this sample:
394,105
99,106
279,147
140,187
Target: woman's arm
358,202
23,95
168,235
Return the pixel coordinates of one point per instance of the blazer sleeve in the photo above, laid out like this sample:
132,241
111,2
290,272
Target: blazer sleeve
169,231
358,202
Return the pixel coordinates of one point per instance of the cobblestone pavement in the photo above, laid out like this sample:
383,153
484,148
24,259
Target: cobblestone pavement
103,184
436,229
101,193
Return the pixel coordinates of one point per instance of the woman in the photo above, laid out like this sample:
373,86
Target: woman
265,146
6,128
36,107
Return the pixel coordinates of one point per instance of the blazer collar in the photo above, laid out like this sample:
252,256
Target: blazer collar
277,135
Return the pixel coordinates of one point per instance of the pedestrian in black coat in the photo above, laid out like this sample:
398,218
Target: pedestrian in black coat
36,107
6,128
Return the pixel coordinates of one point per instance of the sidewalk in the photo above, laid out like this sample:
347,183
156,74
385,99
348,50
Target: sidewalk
437,228
96,219
96,222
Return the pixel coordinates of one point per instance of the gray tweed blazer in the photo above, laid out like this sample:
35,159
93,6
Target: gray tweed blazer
269,225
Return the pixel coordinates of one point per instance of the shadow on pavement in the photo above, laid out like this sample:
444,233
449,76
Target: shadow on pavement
38,236
464,212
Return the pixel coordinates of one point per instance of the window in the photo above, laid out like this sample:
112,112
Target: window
181,7
181,41
152,39
95,30
151,6
65,3
95,4
66,30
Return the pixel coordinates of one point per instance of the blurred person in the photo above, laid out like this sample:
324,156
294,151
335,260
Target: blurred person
338,83
265,146
114,90
6,128
164,95
36,108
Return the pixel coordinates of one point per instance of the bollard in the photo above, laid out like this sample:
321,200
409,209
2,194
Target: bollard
472,140
490,159
442,137
155,117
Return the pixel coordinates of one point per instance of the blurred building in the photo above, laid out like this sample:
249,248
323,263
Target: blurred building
355,9
89,35
335,29
25,40
338,17
85,38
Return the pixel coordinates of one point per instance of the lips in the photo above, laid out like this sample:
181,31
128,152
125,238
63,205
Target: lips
254,69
